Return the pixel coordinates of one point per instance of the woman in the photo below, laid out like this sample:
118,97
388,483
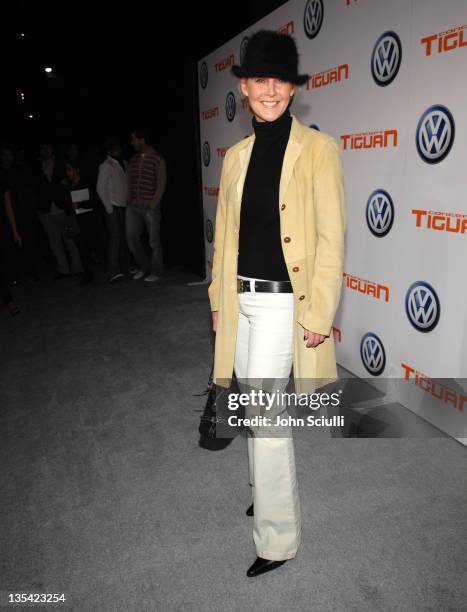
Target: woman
277,274
80,202
7,222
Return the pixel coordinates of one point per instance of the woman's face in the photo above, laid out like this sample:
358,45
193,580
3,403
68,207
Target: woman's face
72,174
268,96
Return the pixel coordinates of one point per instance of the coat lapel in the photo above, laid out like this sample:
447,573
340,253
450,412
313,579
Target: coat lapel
292,152
243,160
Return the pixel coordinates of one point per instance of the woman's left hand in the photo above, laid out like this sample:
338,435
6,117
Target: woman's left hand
312,338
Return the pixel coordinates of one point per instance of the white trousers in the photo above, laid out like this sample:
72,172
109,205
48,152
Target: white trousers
53,223
264,350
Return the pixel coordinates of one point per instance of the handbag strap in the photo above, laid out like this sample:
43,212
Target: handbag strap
210,383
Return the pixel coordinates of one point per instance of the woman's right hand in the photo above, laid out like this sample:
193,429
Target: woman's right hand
214,320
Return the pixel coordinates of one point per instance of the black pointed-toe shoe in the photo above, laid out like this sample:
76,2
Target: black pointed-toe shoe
260,566
250,511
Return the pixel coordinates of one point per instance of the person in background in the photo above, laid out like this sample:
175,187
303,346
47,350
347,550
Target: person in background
51,213
23,262
7,222
80,201
112,190
89,165
147,177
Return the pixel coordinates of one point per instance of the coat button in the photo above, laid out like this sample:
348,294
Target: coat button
283,207
295,269
302,297
286,239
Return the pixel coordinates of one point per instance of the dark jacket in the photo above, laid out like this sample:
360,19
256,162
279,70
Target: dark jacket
48,191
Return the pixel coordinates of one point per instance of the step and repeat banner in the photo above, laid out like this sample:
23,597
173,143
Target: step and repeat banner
387,80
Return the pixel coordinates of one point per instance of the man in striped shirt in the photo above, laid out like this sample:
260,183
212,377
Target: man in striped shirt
147,178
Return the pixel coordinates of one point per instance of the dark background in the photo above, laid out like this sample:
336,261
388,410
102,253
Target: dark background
117,66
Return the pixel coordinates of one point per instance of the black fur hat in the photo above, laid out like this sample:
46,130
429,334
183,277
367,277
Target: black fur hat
271,54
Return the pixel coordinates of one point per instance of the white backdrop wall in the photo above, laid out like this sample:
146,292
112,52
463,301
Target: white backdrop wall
388,81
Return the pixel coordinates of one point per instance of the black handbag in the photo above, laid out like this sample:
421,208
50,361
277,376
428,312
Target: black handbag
215,431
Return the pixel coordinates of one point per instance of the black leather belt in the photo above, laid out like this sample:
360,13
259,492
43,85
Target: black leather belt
264,286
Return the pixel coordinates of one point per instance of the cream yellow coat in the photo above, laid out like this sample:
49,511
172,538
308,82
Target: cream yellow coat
312,222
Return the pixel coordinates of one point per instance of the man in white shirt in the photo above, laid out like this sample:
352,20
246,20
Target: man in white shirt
112,190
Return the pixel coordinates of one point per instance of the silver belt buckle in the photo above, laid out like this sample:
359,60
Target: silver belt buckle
241,284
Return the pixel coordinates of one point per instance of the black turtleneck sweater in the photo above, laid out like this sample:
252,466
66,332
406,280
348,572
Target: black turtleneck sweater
260,249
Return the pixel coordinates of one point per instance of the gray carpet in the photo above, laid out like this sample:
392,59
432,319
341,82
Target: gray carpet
107,497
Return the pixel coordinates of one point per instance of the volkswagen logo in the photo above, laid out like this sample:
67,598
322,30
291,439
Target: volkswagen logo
422,306
313,17
203,75
243,46
379,213
372,354
435,134
206,153
230,106
209,230
386,58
